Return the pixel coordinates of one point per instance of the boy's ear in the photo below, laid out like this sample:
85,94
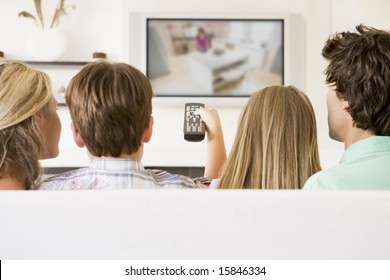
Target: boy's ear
76,136
148,131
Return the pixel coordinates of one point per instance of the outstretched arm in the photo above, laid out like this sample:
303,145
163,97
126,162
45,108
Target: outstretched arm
216,152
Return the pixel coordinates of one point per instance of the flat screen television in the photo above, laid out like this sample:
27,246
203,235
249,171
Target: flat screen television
217,56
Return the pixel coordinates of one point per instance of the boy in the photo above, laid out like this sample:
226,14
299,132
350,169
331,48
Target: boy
111,105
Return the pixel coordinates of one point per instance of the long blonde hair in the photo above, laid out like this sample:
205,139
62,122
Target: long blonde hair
23,93
276,142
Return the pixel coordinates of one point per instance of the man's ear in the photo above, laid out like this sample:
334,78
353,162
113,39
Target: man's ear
345,104
76,136
148,131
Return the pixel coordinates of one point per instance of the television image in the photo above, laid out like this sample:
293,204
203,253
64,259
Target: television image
214,56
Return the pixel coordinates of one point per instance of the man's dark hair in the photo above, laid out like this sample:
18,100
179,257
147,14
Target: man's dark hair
359,67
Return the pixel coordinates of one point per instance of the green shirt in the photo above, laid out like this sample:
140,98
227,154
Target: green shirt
364,165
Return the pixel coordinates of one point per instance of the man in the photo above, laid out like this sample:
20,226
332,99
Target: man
358,101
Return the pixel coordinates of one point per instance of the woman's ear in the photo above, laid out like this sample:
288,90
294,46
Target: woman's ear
76,136
39,116
148,131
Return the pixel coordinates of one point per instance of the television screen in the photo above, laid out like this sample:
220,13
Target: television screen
214,57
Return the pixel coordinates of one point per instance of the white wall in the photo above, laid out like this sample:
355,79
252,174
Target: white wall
93,26
99,26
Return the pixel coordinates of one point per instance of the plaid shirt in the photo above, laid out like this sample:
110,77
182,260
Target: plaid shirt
115,174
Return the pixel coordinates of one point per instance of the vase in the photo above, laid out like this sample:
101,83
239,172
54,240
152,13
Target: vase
47,44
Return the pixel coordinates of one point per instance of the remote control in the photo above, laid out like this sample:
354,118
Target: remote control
194,127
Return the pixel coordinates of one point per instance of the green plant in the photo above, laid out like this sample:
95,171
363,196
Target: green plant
58,13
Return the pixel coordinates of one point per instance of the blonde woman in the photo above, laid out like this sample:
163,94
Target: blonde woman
275,146
29,125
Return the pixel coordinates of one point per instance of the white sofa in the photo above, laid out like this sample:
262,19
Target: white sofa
195,224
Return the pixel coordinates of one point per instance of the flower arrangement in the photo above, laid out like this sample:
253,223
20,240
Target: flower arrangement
58,13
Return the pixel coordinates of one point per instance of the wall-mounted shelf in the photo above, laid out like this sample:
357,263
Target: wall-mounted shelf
58,63
60,73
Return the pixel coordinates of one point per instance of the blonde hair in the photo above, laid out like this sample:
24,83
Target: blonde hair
23,93
276,142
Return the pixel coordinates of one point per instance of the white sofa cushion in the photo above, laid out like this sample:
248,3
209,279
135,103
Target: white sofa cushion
195,224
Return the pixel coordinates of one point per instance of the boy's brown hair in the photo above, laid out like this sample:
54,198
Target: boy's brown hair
110,104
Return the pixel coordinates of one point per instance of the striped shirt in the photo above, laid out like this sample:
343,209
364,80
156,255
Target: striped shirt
115,174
